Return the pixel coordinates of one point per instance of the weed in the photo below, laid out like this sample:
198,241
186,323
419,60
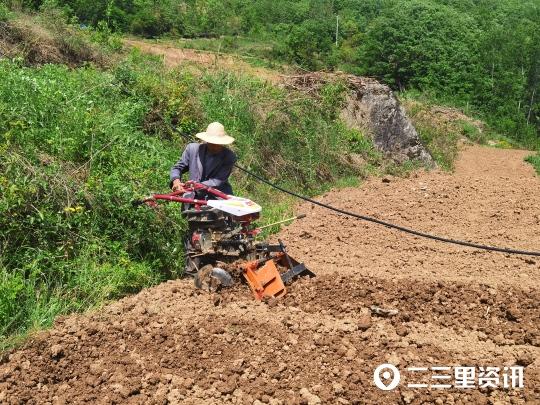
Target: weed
535,161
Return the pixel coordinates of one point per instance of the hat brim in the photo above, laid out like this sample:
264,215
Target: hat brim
215,139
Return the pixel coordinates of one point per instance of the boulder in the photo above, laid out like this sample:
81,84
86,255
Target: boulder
371,108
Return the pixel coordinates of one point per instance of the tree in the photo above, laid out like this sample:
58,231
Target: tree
310,42
424,45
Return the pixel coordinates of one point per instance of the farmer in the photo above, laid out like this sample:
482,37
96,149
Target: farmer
209,163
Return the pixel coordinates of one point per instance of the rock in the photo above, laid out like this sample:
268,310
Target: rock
120,389
216,300
350,354
372,108
512,314
524,359
393,359
499,339
311,399
174,397
407,396
364,322
338,388
485,299
401,330
188,383
56,351
226,387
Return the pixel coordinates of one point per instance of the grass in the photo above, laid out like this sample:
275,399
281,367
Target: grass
48,38
441,127
72,156
534,160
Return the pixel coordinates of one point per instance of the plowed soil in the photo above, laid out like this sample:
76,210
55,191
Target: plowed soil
321,342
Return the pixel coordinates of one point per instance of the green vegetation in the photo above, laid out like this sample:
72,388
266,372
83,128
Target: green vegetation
49,37
440,128
535,161
481,56
72,155
4,12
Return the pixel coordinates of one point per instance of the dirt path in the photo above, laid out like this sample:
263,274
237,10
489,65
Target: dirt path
457,306
174,56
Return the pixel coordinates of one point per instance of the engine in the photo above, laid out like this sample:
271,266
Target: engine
214,232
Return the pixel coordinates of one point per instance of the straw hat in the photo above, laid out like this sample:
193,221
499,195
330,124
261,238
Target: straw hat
215,133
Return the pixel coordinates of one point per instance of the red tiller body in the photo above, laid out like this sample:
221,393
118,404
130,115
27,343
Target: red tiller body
187,187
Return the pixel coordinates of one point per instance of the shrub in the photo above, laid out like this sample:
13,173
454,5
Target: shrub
472,132
48,38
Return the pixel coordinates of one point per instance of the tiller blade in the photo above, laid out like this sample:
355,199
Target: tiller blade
264,278
211,278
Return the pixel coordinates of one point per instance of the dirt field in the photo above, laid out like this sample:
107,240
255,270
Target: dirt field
321,343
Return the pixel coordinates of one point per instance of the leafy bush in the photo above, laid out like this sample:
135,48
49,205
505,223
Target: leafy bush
292,139
309,43
472,132
439,131
462,51
104,36
149,23
72,157
423,45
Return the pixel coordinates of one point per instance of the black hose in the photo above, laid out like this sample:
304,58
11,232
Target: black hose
378,221
388,224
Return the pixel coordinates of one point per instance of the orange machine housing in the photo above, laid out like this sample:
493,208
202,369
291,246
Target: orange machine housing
264,278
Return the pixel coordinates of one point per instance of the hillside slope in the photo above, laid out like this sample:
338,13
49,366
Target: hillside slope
456,306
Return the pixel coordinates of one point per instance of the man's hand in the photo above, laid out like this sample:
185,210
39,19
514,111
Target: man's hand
176,185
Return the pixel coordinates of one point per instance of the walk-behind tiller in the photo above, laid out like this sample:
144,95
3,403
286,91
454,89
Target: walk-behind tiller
220,244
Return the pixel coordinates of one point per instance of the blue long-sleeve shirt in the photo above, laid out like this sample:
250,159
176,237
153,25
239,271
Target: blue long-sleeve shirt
210,169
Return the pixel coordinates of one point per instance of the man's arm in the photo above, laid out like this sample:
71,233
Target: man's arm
180,167
222,173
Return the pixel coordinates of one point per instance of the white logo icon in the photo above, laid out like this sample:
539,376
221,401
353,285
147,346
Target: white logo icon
389,371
